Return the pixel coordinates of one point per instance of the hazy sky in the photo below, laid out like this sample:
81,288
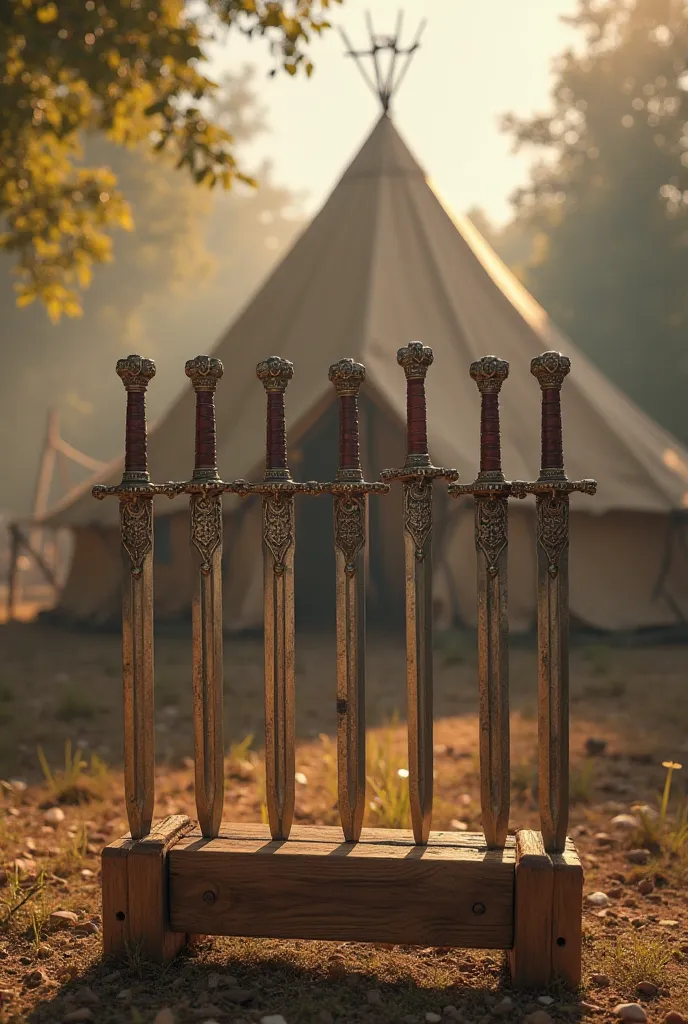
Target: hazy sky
478,60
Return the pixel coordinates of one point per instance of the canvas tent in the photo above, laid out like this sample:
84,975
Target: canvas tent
384,263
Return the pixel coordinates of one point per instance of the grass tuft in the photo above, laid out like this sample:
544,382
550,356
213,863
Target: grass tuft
80,781
388,780
634,958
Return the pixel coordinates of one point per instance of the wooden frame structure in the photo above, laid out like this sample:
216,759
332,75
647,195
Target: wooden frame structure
172,879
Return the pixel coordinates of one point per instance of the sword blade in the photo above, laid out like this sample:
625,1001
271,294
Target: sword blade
207,653
349,538
136,525
553,667
417,496
278,595
491,525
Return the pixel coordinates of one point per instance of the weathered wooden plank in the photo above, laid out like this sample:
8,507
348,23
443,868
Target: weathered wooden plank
567,916
531,956
115,895
379,892
149,924
474,841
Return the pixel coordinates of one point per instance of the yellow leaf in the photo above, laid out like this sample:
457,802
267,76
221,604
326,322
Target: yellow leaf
54,308
72,308
25,299
47,13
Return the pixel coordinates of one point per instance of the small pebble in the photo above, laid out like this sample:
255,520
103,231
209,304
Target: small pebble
597,899
125,993
239,995
273,1018
83,1013
539,1017
646,886
647,988
674,1017
458,826
630,1011
301,779
165,1016
626,821
601,980
35,978
545,1000
62,919
53,816
637,857
669,924
433,1018
504,1006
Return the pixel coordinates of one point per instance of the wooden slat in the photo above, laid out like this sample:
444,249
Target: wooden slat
567,917
470,841
147,866
531,956
115,894
318,887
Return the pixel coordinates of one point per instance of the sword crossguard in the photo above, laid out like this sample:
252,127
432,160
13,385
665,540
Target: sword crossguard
416,359
275,373
204,372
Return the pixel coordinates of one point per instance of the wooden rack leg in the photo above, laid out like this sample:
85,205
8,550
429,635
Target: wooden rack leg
548,907
531,956
135,893
567,916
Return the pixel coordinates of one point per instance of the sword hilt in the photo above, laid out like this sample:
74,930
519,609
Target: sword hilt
275,373
415,360
136,374
347,377
550,369
204,372
489,373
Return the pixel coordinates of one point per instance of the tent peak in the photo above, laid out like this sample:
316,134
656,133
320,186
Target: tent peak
385,83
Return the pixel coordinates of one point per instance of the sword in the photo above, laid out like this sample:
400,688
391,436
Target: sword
552,490
490,492
278,491
350,492
417,476
205,508
135,493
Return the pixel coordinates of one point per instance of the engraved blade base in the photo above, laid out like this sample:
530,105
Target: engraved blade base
553,667
278,591
491,526
136,524
349,534
417,497
207,652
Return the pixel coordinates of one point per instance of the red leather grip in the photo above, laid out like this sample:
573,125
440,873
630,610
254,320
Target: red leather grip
276,457
349,452
135,441
490,443
416,417
206,449
552,450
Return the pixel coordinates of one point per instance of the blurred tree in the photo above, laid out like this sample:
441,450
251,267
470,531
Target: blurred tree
608,204
130,69
174,285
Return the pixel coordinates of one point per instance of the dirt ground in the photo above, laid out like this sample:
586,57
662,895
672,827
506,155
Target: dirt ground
60,747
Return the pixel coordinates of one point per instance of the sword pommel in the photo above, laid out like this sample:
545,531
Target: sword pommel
136,374
204,372
347,377
489,373
415,360
275,374
550,369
